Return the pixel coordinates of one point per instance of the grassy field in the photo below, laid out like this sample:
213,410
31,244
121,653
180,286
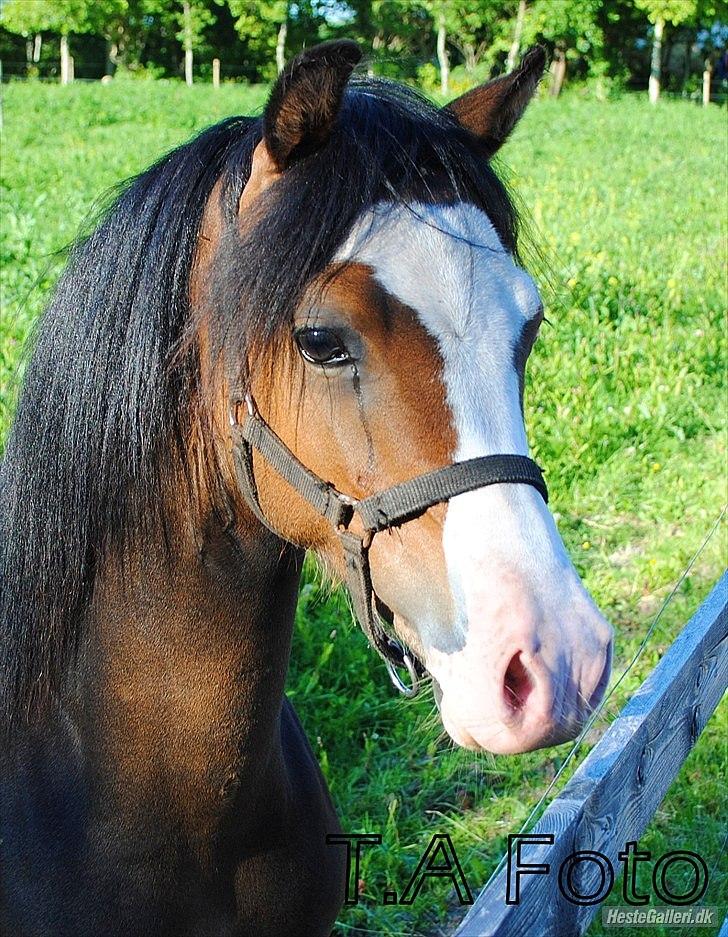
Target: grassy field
626,409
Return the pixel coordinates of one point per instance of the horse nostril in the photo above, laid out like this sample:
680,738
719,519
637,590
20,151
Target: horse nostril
517,684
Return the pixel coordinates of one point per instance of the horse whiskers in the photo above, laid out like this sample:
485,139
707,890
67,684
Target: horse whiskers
603,708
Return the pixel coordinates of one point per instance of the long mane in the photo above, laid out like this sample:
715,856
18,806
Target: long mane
108,402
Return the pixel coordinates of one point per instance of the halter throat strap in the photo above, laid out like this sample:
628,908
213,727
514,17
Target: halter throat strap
380,511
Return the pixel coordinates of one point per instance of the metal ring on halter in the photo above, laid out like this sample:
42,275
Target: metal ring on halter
249,406
407,691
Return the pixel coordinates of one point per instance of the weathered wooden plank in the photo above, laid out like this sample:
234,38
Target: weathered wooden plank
616,791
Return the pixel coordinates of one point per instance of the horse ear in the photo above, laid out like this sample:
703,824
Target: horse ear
305,101
492,110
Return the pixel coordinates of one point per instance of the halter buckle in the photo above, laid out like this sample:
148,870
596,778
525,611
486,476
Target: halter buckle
409,692
235,407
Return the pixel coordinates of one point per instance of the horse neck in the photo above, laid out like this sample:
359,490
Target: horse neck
186,670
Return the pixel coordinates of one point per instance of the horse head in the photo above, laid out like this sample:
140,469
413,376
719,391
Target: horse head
402,352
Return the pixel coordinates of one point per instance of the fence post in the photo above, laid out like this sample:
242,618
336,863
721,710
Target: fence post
65,63
707,75
216,73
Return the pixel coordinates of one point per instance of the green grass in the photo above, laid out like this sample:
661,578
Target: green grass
626,409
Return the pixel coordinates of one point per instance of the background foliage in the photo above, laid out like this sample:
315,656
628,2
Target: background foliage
626,409
605,40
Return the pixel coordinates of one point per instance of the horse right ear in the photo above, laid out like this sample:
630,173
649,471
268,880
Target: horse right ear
492,110
305,101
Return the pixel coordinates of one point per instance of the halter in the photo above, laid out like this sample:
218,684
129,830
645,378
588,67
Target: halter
381,511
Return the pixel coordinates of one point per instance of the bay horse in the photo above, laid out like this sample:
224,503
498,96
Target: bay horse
305,331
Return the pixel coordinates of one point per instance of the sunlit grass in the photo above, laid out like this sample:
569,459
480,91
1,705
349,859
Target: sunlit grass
626,410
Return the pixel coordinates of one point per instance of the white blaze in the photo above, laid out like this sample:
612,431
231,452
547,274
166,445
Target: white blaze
447,263
526,651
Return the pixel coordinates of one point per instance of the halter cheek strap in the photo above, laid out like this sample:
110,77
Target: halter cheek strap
381,511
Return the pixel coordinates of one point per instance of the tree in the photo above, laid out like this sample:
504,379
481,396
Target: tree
110,19
401,36
570,28
264,24
27,21
466,25
661,12
442,56
193,16
32,17
475,28
515,48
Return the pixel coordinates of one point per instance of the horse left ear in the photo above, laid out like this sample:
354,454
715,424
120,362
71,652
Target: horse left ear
305,101
492,110
301,111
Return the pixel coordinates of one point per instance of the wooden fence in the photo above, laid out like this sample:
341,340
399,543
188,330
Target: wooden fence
615,792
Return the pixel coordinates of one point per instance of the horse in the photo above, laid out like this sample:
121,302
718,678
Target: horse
301,331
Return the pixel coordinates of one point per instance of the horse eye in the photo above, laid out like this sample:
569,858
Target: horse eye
321,346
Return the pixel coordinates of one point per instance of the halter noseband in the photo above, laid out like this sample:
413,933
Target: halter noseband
378,512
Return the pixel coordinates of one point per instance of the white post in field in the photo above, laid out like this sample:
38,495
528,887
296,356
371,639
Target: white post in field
65,61
216,73
707,76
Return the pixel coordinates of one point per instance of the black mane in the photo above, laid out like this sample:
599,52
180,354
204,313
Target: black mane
107,406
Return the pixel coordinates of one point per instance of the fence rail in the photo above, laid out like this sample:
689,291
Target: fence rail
616,791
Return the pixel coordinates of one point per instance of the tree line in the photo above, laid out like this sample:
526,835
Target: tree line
444,45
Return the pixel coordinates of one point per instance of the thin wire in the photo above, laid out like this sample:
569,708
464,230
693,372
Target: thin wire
598,712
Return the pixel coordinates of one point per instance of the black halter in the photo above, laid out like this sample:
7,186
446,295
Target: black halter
378,512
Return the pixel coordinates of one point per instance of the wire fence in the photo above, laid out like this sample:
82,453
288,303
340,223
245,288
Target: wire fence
10,71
